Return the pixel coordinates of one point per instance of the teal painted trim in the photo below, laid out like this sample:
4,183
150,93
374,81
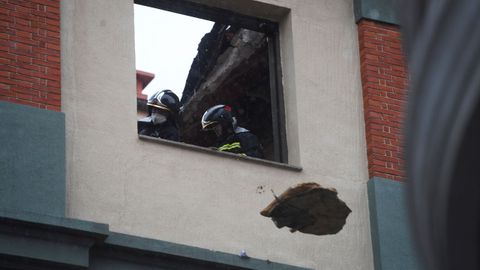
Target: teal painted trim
372,204
32,159
374,226
390,228
204,255
64,241
378,10
89,229
44,250
48,240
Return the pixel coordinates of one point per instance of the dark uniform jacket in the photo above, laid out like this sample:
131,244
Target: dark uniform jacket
242,142
167,130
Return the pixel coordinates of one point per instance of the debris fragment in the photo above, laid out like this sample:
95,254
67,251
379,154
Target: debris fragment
243,254
308,208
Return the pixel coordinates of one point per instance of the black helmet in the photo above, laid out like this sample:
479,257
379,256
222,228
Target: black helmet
165,100
219,114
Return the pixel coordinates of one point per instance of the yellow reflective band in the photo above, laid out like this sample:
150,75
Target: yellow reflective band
235,144
229,146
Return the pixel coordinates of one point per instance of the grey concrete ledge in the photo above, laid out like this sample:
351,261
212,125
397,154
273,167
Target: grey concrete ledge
378,10
222,154
193,253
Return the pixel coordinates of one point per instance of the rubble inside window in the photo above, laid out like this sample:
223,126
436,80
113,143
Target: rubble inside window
231,68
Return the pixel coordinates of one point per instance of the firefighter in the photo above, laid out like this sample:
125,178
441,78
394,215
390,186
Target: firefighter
230,137
162,122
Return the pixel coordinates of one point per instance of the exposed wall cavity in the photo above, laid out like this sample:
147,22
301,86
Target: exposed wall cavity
231,67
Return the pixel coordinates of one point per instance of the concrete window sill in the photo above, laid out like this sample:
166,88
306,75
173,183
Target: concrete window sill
222,154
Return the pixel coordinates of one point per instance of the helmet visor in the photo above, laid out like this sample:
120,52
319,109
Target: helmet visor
209,125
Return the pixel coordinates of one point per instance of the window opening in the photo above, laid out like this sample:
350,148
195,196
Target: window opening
236,63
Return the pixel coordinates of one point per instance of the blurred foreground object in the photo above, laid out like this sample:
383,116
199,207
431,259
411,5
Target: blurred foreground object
442,41
308,208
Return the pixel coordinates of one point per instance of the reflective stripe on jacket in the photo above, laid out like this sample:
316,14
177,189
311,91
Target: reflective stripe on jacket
242,142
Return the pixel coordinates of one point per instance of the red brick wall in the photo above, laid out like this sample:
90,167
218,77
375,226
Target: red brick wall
384,82
30,53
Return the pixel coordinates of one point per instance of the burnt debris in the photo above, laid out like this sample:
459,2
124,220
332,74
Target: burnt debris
308,208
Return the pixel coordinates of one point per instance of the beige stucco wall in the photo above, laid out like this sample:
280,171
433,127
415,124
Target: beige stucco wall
194,198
